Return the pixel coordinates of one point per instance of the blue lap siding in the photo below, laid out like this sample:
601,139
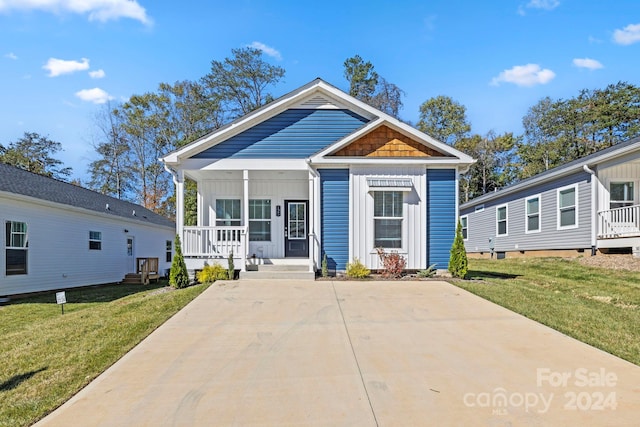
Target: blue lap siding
441,215
292,134
334,217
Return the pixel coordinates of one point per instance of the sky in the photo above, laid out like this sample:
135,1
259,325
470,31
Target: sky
62,60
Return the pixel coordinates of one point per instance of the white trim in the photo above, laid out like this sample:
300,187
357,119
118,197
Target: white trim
576,194
466,217
506,220
526,214
479,208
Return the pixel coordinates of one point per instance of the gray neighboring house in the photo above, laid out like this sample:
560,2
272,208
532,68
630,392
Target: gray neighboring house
58,235
587,206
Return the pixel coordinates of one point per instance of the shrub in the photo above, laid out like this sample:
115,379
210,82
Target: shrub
429,272
392,262
458,263
357,270
231,271
211,273
325,266
178,276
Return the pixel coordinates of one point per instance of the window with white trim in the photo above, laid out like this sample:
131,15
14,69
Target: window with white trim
16,248
479,208
95,240
501,220
228,212
464,225
169,251
387,219
621,194
260,220
532,214
567,207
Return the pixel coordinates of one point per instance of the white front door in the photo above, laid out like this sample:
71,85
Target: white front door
131,259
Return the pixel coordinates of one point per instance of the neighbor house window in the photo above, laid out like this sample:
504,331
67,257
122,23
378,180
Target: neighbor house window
16,248
387,219
532,209
567,207
464,224
621,194
169,254
501,220
228,212
95,240
260,220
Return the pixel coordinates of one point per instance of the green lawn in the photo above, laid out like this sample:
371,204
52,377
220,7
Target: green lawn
47,357
598,306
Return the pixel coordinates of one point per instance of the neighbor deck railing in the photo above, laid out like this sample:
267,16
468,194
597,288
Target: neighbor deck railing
213,241
619,222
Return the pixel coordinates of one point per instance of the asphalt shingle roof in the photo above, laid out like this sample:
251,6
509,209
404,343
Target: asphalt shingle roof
18,181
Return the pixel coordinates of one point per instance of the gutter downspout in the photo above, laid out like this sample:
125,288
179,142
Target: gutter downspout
594,208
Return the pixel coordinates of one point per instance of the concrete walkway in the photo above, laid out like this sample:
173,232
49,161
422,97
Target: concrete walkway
355,354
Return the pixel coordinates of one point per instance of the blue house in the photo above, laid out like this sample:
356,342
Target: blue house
314,173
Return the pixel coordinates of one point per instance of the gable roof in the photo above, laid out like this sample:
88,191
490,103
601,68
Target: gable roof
574,166
23,183
318,94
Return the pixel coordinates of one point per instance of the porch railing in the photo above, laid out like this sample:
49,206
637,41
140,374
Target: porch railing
619,222
213,241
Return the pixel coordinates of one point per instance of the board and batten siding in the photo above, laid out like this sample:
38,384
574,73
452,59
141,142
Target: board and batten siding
59,256
274,186
441,216
414,216
292,134
482,225
334,217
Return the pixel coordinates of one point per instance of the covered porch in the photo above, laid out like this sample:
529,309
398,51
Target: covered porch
264,216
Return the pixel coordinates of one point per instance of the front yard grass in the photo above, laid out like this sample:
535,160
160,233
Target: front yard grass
47,357
598,306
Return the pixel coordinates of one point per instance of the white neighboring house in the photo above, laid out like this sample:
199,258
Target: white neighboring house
58,235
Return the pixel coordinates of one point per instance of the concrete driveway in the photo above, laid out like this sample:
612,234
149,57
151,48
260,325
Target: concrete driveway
355,354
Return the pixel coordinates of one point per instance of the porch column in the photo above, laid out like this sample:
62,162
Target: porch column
179,181
245,220
312,233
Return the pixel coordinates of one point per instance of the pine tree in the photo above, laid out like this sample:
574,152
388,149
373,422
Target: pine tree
178,277
458,262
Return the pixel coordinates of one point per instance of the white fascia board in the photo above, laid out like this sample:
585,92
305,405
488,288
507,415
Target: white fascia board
437,162
244,164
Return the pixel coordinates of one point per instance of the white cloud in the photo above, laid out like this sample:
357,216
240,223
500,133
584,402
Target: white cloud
524,75
589,63
95,95
98,10
267,50
97,74
538,4
57,67
628,35
11,55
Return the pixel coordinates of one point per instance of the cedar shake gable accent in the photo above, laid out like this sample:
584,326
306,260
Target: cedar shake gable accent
386,142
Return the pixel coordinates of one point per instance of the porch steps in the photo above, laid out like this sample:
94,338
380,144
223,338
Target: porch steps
132,278
278,272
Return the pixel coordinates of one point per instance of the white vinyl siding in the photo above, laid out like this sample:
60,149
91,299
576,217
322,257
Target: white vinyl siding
502,220
567,207
532,219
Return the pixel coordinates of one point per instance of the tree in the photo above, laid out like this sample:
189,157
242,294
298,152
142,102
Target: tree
178,276
362,78
458,263
366,85
34,153
240,83
444,119
111,172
